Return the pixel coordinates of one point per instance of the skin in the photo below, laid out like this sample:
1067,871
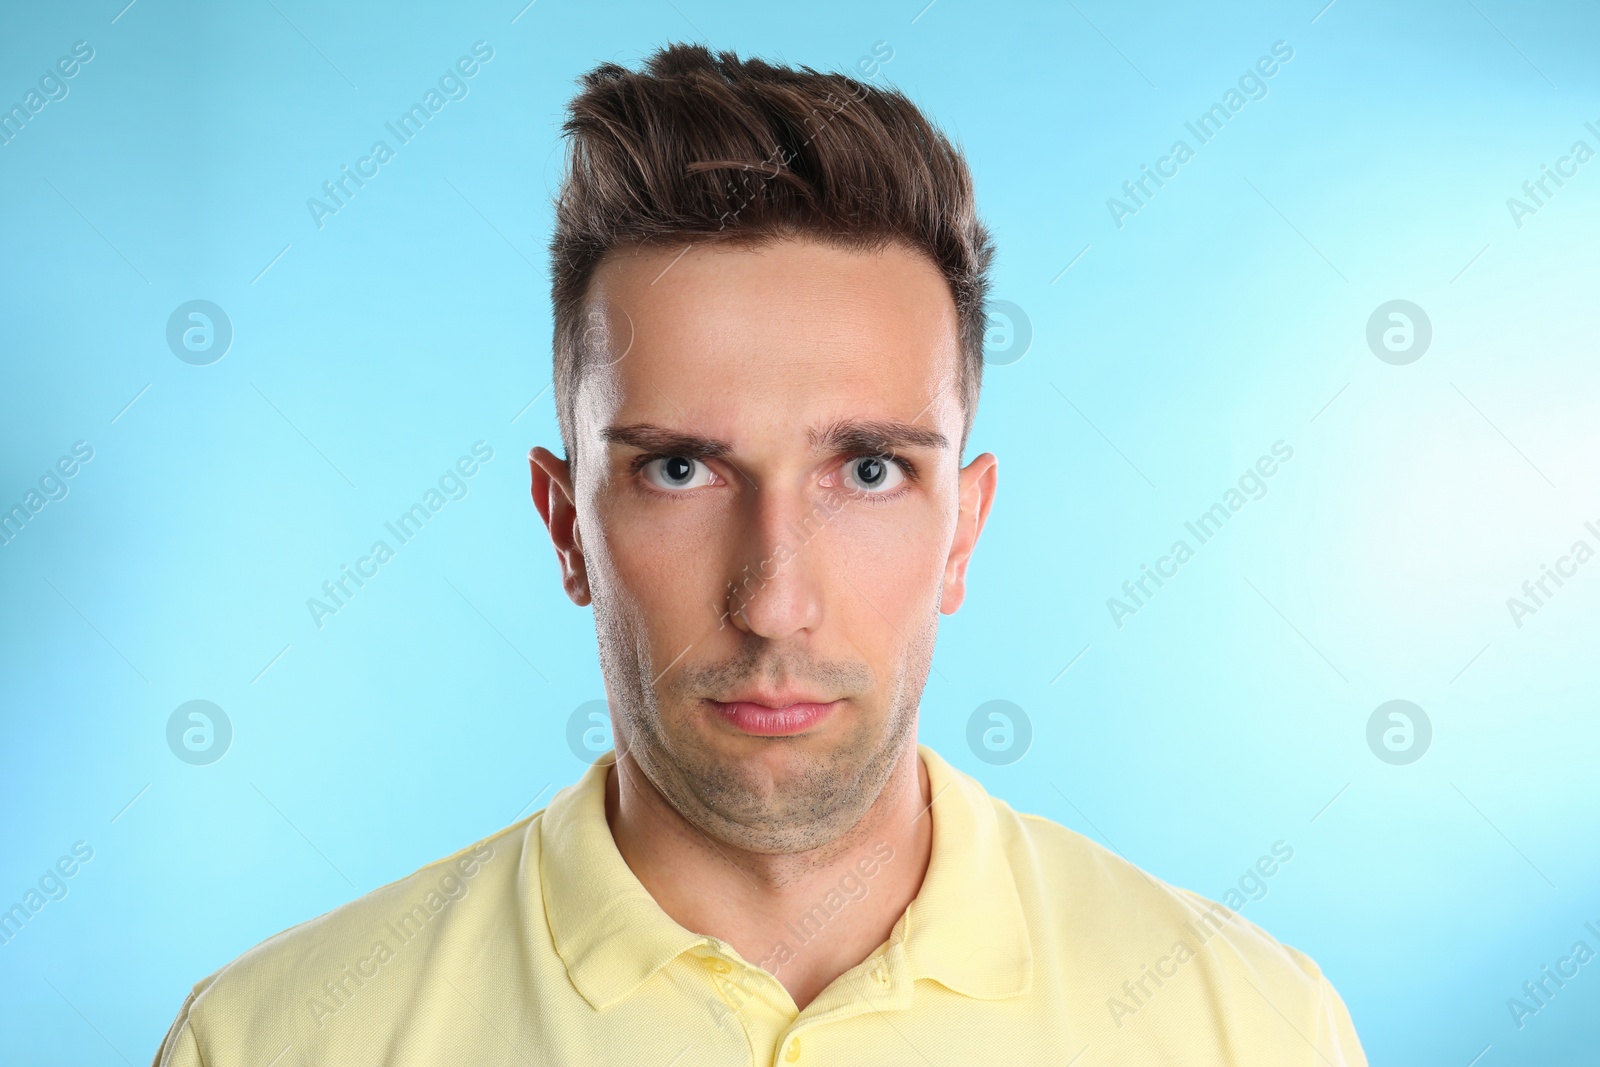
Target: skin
781,566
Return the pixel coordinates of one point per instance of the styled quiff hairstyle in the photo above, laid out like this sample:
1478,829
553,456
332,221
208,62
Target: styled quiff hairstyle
706,147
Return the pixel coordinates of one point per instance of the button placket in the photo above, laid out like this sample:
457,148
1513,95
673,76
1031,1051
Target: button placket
732,983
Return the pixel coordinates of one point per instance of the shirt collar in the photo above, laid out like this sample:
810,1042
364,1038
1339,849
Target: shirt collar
965,929
605,925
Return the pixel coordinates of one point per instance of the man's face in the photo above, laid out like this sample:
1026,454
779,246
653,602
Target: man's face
769,513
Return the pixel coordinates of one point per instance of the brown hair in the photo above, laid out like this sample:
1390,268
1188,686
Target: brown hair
709,147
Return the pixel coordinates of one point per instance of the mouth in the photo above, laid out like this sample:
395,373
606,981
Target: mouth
774,716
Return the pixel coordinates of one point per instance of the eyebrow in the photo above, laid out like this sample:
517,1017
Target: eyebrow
875,437
661,441
872,437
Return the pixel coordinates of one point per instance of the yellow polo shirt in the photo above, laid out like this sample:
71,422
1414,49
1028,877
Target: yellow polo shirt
1027,944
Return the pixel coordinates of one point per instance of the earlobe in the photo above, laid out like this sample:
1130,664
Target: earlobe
554,498
978,481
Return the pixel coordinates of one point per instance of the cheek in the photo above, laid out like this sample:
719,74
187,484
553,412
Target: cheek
662,568
894,560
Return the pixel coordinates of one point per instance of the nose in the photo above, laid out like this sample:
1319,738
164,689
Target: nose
777,566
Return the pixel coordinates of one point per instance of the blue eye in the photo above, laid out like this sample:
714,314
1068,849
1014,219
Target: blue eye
873,474
677,472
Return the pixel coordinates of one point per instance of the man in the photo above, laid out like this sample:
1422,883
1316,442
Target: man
769,312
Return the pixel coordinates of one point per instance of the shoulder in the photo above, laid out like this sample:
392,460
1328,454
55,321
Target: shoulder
1154,962
1079,882
301,978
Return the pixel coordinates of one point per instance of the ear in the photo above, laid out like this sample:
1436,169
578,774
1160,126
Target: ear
553,496
978,480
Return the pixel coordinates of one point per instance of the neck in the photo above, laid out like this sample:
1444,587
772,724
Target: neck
804,917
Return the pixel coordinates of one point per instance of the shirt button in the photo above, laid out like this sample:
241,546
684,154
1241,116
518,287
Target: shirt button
881,976
793,1052
720,966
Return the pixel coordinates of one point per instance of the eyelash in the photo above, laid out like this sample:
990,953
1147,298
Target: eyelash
910,469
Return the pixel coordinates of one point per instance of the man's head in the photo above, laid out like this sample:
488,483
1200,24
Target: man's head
768,289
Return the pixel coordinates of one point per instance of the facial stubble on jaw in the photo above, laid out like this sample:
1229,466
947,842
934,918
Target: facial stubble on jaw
738,803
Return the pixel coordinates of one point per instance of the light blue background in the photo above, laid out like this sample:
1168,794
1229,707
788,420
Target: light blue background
1228,314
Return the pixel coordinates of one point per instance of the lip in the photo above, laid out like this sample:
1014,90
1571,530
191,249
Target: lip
774,716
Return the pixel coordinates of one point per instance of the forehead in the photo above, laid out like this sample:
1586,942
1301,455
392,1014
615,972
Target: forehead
739,341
